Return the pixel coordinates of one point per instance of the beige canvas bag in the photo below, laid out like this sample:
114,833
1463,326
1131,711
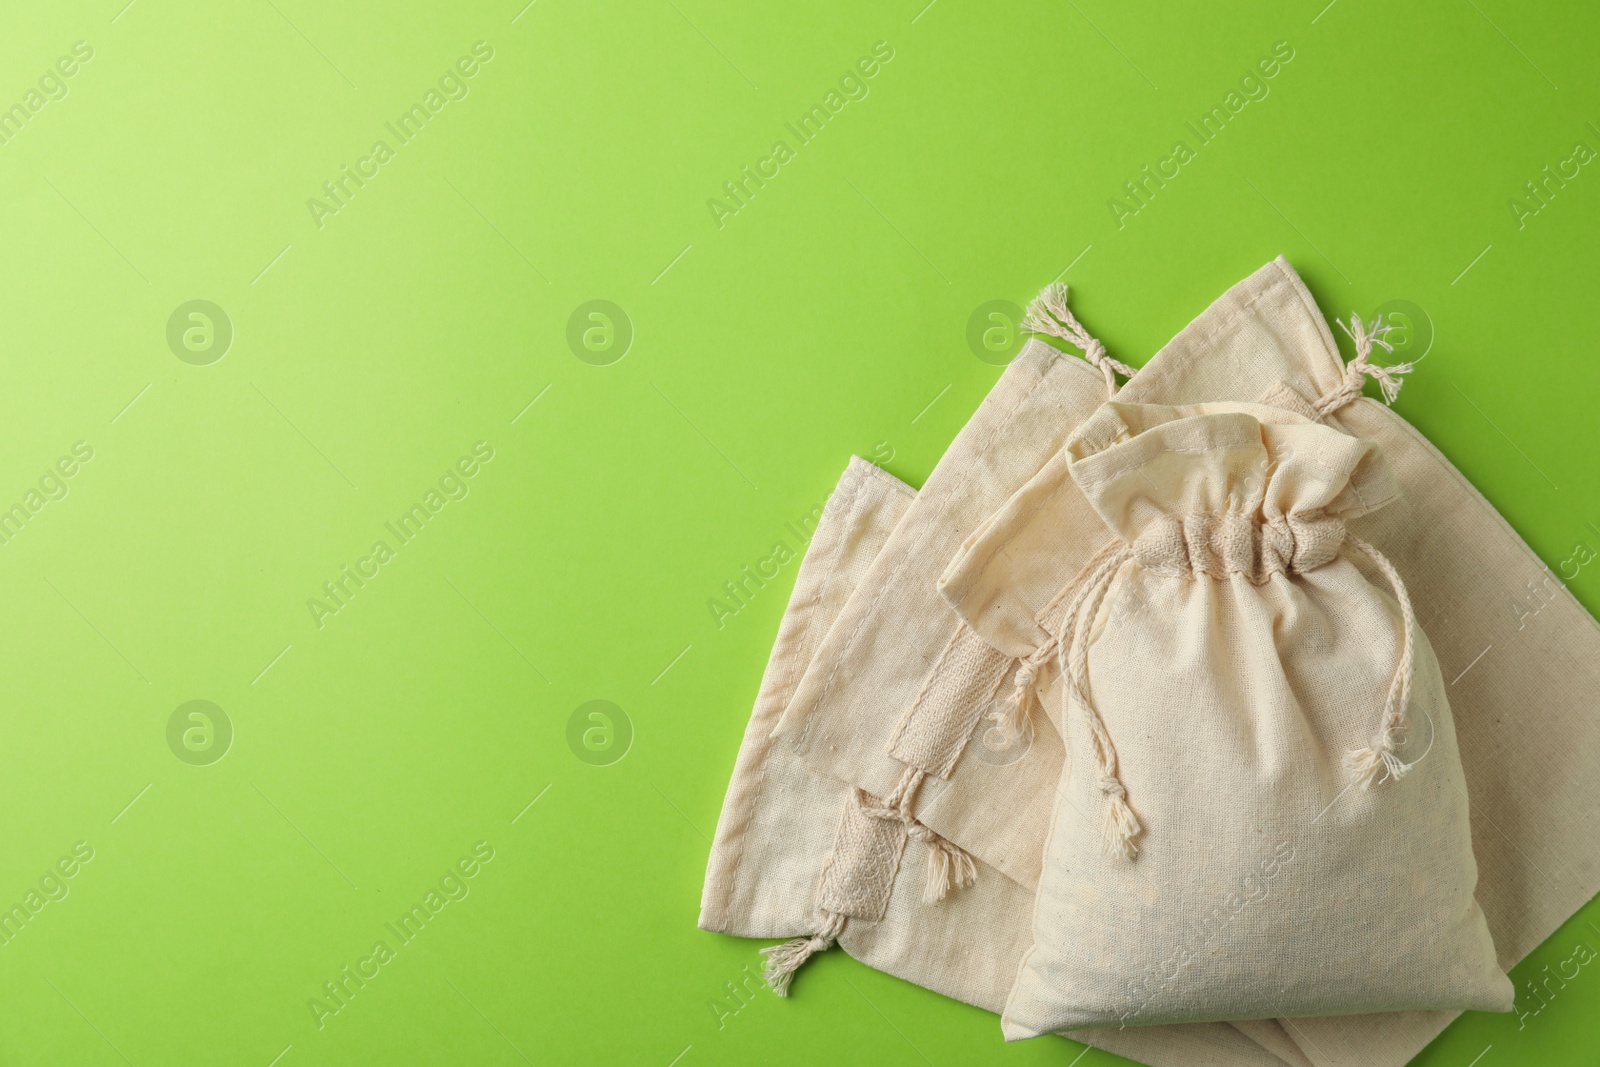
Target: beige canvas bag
779,816
1235,689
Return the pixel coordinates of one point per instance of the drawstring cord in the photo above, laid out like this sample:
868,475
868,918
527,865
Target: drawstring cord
1365,763
949,866
1012,718
1360,368
1048,313
1121,825
1070,646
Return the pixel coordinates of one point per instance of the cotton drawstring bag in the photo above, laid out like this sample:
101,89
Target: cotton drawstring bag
779,816
1021,417
1265,813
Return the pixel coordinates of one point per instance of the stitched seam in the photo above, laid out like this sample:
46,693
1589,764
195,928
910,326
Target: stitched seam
1161,452
847,501
1329,347
869,469
1474,494
1230,319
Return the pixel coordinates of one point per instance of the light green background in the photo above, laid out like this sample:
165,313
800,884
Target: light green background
828,316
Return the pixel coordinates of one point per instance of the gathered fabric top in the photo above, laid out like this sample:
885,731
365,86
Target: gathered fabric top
1226,489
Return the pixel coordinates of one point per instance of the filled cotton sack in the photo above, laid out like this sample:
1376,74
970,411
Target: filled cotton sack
1264,813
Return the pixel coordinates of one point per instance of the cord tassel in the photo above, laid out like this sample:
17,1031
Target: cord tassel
949,867
1389,379
1121,825
1364,765
785,959
1012,718
1048,313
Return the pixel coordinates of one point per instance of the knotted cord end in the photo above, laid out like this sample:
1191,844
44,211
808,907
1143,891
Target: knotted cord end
1011,719
949,867
1049,314
785,959
1121,825
1389,379
1364,765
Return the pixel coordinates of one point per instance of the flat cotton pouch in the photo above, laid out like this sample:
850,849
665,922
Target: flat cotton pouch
779,816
